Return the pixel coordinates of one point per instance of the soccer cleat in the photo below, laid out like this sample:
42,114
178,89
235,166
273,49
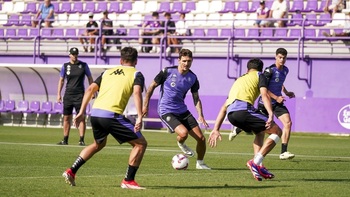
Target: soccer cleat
232,134
254,169
286,155
202,167
81,143
188,152
265,173
130,185
69,177
62,143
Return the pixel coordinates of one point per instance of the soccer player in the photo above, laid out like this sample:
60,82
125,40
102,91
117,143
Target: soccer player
115,87
277,74
175,82
74,71
241,113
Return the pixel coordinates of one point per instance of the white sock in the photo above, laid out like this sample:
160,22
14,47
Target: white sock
200,162
258,158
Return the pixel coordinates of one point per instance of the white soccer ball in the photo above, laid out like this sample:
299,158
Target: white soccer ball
180,162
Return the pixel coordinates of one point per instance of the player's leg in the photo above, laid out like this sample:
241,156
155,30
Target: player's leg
287,124
67,119
82,124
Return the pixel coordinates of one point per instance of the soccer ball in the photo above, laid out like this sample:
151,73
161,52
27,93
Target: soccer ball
180,162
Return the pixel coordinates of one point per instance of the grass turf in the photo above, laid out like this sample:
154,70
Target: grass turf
31,164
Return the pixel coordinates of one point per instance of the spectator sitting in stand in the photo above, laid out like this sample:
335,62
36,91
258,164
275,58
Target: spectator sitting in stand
262,14
91,31
107,29
336,6
279,12
170,31
346,30
45,14
150,28
182,29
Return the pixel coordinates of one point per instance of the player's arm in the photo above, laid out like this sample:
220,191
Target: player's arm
266,99
59,89
215,133
279,99
198,103
148,96
50,14
139,83
286,92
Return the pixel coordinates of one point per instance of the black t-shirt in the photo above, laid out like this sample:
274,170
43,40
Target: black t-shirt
91,25
170,25
75,75
109,24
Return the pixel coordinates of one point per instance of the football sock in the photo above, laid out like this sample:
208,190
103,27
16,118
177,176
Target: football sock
200,162
131,172
65,139
258,158
77,164
81,139
284,148
238,130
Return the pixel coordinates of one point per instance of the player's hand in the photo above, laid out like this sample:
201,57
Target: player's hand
202,120
290,94
213,137
59,99
269,122
138,124
280,99
144,111
77,119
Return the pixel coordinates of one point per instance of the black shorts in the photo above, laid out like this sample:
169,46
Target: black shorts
119,127
248,120
173,120
70,102
278,109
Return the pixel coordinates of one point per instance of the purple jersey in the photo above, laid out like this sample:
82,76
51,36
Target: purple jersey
276,79
174,87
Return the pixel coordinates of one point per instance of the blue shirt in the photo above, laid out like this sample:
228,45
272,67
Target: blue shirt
174,87
45,11
276,79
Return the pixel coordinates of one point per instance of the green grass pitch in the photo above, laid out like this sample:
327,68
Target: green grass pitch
31,164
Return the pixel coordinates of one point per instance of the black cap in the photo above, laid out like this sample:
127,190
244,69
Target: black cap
262,2
73,51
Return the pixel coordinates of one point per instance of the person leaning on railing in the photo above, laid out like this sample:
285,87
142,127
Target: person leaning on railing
45,14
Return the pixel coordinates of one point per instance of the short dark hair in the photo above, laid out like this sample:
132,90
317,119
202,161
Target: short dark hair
281,51
185,52
255,63
155,14
167,14
129,54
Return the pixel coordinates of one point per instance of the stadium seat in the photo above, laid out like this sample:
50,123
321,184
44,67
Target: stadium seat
226,19
297,6
213,19
321,34
200,20
200,7
114,7
66,7
78,7
189,6
338,20
72,20
122,19
280,33
12,20
89,7
212,33
126,6
310,34
198,33
58,33
243,6
311,19
33,32
71,33
8,106
164,7
30,8
323,19
253,33
254,6
322,5
3,19
101,6
230,6
251,19
22,33
150,6
22,107
57,108
56,7
240,19
226,33
311,6
294,34
26,19
239,33
297,19
215,6
268,3
137,7
46,33
11,33
7,7
266,33
135,19
34,107
46,107
177,7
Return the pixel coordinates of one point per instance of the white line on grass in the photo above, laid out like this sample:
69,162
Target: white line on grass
170,150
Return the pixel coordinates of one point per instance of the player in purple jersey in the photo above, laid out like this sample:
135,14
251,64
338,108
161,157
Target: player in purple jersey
175,83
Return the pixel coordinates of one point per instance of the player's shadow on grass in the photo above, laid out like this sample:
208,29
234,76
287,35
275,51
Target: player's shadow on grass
212,187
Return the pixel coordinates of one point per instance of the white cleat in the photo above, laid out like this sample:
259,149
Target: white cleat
188,152
202,166
286,155
232,134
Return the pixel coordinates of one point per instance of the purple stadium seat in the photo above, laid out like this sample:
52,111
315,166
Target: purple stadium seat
89,7
22,106
57,108
11,33
311,19
323,4
101,7
311,5
253,33
133,34
33,32
255,5
2,33
126,6
114,7
30,8
164,7
46,107
177,7
58,33
22,33
310,34
66,7
26,19
198,33
297,5
12,20
226,33
8,106
229,6
320,33
189,6
294,34
2,106
212,33
71,33
266,33
280,33
34,107
268,3
297,19
242,6
77,7
324,19
239,33
56,7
